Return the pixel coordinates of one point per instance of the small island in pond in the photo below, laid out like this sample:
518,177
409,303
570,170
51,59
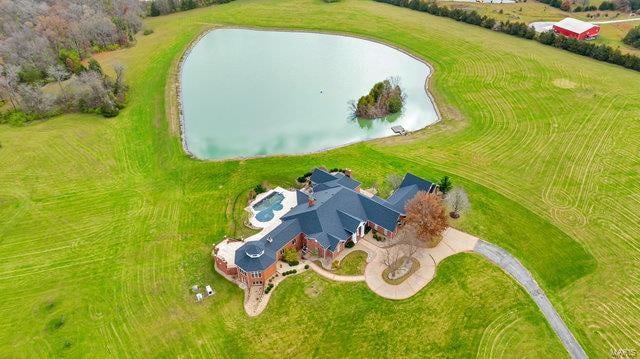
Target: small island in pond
385,98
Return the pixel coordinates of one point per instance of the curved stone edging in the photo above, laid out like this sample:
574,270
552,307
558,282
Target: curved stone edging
515,269
176,83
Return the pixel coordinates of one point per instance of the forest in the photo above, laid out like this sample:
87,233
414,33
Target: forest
51,42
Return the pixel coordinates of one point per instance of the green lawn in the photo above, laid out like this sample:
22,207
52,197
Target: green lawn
352,264
105,223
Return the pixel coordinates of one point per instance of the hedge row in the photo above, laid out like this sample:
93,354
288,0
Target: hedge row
599,52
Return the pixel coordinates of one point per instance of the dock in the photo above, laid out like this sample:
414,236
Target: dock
399,130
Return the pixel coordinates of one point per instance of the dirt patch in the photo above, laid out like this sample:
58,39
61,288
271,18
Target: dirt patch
314,290
564,83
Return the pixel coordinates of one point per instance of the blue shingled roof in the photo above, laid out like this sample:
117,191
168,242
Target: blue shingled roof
335,215
410,185
320,176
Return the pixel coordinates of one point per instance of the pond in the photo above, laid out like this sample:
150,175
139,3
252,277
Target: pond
247,93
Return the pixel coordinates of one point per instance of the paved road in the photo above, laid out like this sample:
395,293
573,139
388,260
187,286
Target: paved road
512,266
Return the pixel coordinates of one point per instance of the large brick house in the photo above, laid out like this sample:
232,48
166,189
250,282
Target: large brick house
331,212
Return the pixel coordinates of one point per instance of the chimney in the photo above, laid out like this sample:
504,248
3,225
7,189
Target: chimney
347,172
311,201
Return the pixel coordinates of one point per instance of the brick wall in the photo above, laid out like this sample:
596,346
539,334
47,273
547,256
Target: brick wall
262,280
222,266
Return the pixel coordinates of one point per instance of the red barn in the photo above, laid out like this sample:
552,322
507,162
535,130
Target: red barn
577,29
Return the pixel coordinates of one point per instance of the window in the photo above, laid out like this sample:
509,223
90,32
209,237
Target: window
293,241
242,272
256,274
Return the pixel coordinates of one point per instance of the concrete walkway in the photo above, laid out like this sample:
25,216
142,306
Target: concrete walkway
336,277
512,266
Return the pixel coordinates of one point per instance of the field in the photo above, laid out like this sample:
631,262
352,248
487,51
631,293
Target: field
105,223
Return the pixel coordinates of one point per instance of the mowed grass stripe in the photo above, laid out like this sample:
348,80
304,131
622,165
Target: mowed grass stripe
504,150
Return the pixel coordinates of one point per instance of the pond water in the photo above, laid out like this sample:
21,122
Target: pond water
251,93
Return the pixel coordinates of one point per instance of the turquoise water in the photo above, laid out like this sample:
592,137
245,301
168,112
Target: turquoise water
267,206
252,93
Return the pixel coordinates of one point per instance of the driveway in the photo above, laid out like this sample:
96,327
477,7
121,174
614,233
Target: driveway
615,21
512,266
453,242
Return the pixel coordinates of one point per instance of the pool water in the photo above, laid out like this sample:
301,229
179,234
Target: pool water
248,93
267,206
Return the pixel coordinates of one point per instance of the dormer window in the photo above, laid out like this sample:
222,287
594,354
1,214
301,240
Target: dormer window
269,239
253,251
255,255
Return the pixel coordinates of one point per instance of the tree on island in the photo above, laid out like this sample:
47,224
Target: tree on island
385,98
426,214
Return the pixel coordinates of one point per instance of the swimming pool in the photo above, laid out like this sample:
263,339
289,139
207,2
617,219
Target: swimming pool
268,205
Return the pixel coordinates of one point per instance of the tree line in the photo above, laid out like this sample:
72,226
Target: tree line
51,41
633,37
164,7
621,5
599,52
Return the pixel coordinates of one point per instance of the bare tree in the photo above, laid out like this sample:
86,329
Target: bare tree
119,86
393,258
34,100
58,73
409,241
457,201
96,92
9,81
623,5
426,214
394,181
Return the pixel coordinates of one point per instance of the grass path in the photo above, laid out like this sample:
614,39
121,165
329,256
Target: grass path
105,224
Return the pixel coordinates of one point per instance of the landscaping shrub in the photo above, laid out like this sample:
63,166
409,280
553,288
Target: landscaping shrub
290,256
306,266
599,52
293,271
349,244
147,31
304,177
259,188
268,288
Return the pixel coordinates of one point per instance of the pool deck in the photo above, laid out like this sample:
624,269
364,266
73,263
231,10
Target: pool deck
289,201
